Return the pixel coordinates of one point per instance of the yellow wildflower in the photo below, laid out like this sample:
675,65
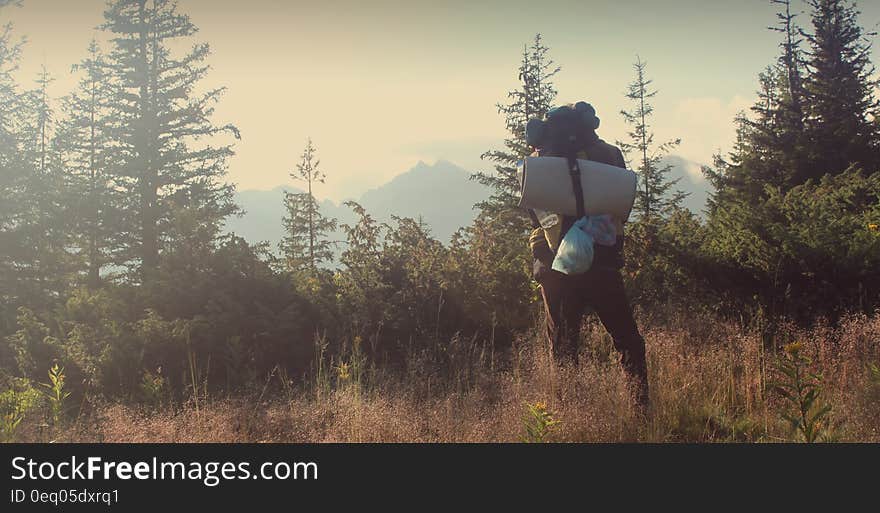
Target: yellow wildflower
342,371
793,348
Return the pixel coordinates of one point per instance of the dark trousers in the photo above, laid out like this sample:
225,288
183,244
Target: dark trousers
565,300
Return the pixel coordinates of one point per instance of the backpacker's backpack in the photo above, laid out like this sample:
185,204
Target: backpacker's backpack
564,130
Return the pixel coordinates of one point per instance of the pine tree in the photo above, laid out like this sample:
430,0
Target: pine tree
791,144
656,197
757,161
653,258
83,142
779,201
363,291
840,91
165,170
42,225
14,175
532,99
772,149
491,259
790,61
306,246
31,234
45,116
494,248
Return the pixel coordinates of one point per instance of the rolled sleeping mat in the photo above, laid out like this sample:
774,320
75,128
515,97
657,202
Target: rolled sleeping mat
546,185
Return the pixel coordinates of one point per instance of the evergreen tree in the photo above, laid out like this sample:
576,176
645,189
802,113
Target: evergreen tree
41,223
789,141
655,197
362,290
165,171
787,216
532,99
494,248
305,245
83,142
756,161
45,116
654,260
415,271
14,174
790,64
772,149
840,91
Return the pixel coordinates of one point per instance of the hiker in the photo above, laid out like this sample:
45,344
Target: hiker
570,131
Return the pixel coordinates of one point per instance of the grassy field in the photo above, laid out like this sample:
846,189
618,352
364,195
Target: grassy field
710,382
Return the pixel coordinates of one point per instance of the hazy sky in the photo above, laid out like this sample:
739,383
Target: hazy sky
380,85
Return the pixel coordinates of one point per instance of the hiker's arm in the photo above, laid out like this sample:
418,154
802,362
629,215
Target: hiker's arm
541,252
539,246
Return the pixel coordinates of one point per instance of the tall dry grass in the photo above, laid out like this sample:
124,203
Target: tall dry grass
709,383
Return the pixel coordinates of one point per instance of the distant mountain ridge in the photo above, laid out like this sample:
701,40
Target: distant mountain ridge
441,194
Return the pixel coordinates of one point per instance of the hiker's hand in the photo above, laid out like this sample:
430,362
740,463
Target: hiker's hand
540,270
545,275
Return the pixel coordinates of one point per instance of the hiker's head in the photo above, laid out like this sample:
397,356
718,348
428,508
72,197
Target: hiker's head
564,129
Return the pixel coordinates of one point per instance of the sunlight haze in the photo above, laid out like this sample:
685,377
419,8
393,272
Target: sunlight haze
379,86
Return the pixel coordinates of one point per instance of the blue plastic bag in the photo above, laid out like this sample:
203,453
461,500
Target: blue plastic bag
575,253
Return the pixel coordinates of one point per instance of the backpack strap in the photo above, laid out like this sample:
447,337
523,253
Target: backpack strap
574,169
